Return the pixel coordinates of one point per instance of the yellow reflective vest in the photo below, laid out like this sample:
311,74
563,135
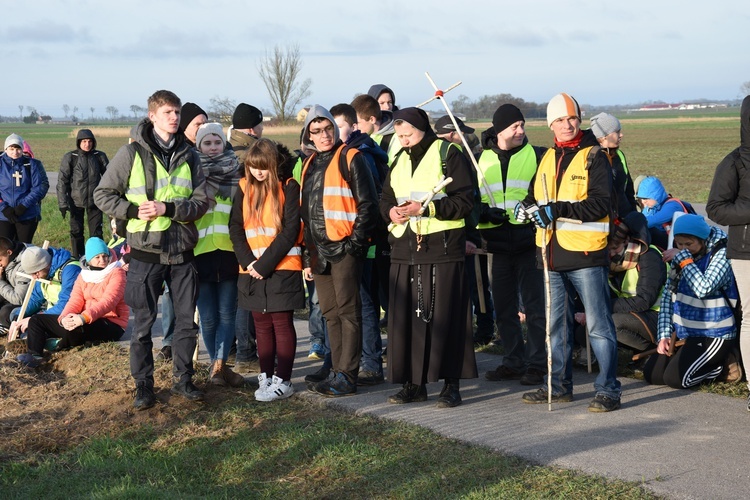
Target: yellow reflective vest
583,237
521,170
630,284
213,228
407,186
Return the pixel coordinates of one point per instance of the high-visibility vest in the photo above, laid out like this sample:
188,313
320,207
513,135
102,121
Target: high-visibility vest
213,228
521,170
51,291
583,237
630,284
624,163
413,186
339,205
169,187
261,233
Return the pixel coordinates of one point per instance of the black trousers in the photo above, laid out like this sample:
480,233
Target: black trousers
144,285
44,326
76,228
19,231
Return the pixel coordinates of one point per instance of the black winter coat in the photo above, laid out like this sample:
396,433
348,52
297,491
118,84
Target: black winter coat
729,198
80,173
278,290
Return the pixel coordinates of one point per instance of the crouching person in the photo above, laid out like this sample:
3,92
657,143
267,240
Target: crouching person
697,303
95,312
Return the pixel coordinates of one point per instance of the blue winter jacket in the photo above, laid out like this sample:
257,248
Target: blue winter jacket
33,186
661,213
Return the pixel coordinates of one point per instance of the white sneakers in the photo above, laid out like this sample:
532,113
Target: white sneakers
273,388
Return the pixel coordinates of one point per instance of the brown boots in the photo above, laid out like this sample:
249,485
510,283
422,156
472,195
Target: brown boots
221,375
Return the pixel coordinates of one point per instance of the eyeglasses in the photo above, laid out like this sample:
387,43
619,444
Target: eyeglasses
328,130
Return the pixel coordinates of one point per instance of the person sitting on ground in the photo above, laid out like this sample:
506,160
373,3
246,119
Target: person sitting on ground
13,286
698,305
659,208
95,312
59,269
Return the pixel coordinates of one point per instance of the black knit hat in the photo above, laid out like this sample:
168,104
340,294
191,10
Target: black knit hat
414,116
246,116
505,116
188,112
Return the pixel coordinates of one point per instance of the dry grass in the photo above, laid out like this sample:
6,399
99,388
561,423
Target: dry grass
103,132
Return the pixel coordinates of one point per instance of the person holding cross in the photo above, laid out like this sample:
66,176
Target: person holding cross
429,323
23,185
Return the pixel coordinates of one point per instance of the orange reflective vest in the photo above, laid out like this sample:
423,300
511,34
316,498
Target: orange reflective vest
260,234
339,205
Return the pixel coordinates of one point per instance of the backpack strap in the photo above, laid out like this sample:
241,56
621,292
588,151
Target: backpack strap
592,154
345,162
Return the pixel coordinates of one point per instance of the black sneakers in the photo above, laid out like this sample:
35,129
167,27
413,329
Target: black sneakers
144,397
601,404
165,354
188,391
367,377
410,393
533,377
322,374
502,372
338,386
540,396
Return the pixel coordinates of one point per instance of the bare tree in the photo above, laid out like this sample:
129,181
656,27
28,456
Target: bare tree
20,108
745,88
280,71
135,109
221,109
75,110
66,109
112,112
92,112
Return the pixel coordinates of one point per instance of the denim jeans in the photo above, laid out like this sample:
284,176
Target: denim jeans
591,286
217,306
486,319
244,332
372,343
316,322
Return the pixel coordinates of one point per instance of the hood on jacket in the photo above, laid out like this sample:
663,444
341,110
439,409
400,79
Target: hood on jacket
59,257
652,188
715,237
143,133
85,133
318,111
288,161
378,89
637,225
745,132
386,123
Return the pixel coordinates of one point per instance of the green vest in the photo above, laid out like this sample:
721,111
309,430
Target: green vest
622,159
393,147
630,284
213,228
297,170
408,186
169,187
51,291
521,170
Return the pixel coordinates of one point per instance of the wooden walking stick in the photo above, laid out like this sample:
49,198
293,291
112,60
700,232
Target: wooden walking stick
547,303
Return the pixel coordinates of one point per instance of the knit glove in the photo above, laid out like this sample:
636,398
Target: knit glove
10,214
524,212
545,216
493,215
20,210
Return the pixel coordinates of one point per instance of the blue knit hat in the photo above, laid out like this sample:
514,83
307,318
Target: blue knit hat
692,225
95,246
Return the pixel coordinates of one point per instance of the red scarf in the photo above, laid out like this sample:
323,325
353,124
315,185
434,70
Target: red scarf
574,143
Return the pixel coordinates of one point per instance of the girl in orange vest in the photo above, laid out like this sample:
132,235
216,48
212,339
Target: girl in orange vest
265,232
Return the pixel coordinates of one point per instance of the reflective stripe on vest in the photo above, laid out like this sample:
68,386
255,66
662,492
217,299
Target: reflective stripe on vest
584,237
260,234
413,186
51,291
213,228
168,187
521,170
630,284
339,205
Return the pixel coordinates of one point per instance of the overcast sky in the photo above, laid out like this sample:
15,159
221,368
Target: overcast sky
114,53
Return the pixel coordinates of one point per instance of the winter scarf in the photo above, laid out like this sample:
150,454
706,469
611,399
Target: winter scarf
222,174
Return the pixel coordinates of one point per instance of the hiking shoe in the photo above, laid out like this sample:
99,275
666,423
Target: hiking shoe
52,343
338,386
449,396
532,377
277,389
29,360
263,384
188,391
410,393
368,377
602,403
144,397
252,366
502,372
165,354
317,351
319,376
540,396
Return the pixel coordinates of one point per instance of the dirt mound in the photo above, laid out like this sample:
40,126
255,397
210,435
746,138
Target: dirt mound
82,393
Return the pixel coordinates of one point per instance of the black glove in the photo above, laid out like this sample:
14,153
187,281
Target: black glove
10,214
493,215
64,212
20,210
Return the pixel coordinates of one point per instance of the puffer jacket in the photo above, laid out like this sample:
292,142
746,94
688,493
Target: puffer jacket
80,172
730,191
319,250
12,286
100,294
176,244
32,189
